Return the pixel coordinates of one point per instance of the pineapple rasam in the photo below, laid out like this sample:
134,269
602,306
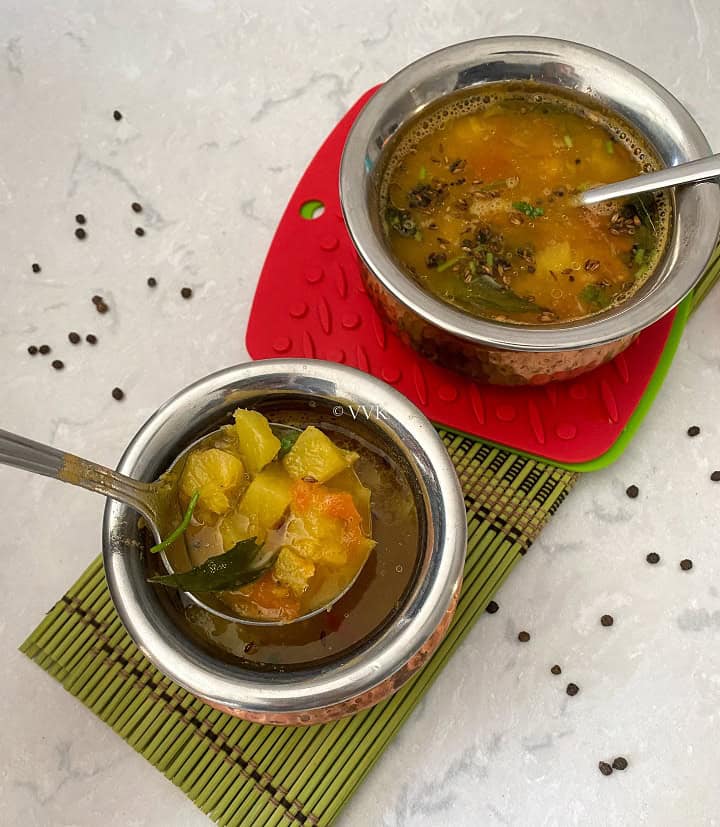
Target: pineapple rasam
477,206
278,528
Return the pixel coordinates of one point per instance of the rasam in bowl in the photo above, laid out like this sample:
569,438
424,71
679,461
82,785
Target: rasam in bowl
353,656
507,347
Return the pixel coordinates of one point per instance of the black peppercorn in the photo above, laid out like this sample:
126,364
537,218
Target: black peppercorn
100,304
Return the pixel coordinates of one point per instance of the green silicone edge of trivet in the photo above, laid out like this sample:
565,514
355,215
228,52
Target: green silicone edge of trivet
663,366
618,448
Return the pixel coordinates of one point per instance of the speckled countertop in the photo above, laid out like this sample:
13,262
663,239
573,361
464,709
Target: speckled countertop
223,105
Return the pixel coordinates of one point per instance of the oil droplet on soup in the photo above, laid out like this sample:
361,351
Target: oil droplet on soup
477,207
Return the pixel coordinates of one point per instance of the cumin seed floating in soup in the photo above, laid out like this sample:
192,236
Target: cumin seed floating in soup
477,206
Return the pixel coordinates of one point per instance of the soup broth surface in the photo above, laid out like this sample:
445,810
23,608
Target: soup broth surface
477,206
373,599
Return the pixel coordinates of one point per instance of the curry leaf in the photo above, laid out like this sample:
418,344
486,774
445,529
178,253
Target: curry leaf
446,265
181,529
242,564
287,442
486,294
645,206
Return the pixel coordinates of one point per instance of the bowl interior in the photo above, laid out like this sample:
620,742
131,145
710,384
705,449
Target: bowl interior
374,601
292,390
480,96
658,118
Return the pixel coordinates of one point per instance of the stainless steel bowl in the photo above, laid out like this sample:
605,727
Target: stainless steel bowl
503,352
375,668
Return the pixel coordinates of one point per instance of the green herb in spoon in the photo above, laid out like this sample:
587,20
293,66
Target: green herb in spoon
181,529
242,564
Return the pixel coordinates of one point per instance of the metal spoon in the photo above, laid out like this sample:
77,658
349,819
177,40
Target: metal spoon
693,171
157,502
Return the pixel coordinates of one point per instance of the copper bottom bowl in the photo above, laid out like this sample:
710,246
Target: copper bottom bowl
398,644
361,701
482,362
502,352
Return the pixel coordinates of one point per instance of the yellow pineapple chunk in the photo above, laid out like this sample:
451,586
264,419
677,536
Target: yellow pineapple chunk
266,500
333,554
349,481
315,456
556,257
293,571
326,551
216,474
467,132
234,527
317,537
257,444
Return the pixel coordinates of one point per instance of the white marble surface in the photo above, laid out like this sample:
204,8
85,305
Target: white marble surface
224,104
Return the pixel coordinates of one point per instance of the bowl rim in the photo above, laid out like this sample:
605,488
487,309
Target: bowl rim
699,203
295,691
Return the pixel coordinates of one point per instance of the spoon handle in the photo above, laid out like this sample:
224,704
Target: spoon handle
20,452
701,170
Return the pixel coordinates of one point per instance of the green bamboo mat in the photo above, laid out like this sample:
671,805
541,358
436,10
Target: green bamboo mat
248,775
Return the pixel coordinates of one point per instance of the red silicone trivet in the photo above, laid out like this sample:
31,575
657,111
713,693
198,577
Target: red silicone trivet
310,302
